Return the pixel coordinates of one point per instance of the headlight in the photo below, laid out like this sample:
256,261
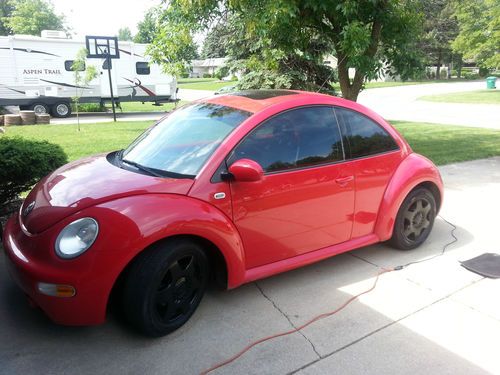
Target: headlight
76,238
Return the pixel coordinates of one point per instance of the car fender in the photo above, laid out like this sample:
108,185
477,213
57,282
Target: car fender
414,170
145,219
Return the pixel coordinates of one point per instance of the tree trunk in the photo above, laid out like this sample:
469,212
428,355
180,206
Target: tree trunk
438,66
351,91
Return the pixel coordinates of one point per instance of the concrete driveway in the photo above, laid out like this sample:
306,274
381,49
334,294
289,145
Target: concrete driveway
430,318
401,103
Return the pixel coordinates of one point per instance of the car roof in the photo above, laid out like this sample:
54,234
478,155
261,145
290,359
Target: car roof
257,100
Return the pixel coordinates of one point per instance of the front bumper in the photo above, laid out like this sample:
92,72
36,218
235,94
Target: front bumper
28,264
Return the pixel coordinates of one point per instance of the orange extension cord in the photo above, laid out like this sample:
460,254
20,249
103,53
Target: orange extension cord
319,317
345,304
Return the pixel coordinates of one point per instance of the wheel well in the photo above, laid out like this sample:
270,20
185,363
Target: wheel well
218,268
433,189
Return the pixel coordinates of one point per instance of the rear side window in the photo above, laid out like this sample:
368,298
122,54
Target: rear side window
142,68
297,138
365,136
68,66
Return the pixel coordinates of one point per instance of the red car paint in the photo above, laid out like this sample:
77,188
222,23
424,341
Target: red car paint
260,228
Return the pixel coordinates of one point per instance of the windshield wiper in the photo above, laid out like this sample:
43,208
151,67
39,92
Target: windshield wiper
142,168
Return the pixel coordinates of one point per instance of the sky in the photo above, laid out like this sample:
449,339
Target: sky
102,17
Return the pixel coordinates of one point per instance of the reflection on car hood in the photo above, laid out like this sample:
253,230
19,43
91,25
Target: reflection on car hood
85,183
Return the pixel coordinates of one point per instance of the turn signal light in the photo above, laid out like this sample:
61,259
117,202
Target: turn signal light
56,290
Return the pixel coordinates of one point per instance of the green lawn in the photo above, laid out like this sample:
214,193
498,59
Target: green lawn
443,144
377,85
148,106
91,139
205,84
471,97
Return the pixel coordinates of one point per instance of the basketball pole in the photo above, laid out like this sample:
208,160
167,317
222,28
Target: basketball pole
108,58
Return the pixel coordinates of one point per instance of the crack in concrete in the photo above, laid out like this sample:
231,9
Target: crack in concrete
379,329
287,318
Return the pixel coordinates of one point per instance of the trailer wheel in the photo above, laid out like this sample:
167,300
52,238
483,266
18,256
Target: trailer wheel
61,109
39,108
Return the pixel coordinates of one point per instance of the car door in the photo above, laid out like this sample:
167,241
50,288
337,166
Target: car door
374,157
305,200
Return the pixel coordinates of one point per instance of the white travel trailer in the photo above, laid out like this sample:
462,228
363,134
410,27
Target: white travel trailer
36,73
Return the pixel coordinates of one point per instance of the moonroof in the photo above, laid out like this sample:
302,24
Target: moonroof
262,94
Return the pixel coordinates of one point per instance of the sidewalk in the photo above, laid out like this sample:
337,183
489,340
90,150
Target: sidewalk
430,318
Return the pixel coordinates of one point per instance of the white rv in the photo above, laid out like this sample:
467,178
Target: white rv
36,73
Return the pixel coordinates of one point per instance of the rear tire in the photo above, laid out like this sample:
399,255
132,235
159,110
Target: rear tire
164,286
414,220
61,109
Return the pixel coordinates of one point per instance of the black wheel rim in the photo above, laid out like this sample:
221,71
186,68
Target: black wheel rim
179,289
417,219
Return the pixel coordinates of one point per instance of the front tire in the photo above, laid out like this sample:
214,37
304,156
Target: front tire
39,108
164,286
414,220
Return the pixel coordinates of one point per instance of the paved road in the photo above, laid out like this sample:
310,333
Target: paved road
401,103
394,103
86,118
430,318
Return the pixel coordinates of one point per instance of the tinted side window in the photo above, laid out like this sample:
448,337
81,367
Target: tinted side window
298,138
142,68
365,136
68,65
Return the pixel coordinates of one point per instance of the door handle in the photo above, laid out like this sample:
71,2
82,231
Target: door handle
343,181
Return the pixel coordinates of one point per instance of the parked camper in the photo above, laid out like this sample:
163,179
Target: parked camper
36,73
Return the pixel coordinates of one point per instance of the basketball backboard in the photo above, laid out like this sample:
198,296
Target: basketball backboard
101,46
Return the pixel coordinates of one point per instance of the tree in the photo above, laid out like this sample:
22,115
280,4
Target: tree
146,29
83,74
479,35
32,16
124,34
6,9
216,42
368,35
440,29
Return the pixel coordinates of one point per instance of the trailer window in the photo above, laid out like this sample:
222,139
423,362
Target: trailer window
68,65
142,68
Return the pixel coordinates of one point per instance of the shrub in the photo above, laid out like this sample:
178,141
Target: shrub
470,75
89,107
184,75
23,163
207,75
222,72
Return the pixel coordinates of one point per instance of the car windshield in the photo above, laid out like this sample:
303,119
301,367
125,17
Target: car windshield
179,145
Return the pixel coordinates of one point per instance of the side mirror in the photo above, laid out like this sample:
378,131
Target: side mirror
246,170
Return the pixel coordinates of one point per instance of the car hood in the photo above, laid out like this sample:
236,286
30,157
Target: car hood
85,183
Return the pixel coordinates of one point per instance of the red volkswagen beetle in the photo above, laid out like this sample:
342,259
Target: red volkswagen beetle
235,187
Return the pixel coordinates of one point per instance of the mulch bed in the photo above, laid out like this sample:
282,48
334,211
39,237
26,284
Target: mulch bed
8,210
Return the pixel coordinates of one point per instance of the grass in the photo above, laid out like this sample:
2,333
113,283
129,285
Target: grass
443,144
470,97
204,84
92,139
377,85
148,106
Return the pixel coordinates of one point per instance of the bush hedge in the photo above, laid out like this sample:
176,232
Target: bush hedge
23,163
